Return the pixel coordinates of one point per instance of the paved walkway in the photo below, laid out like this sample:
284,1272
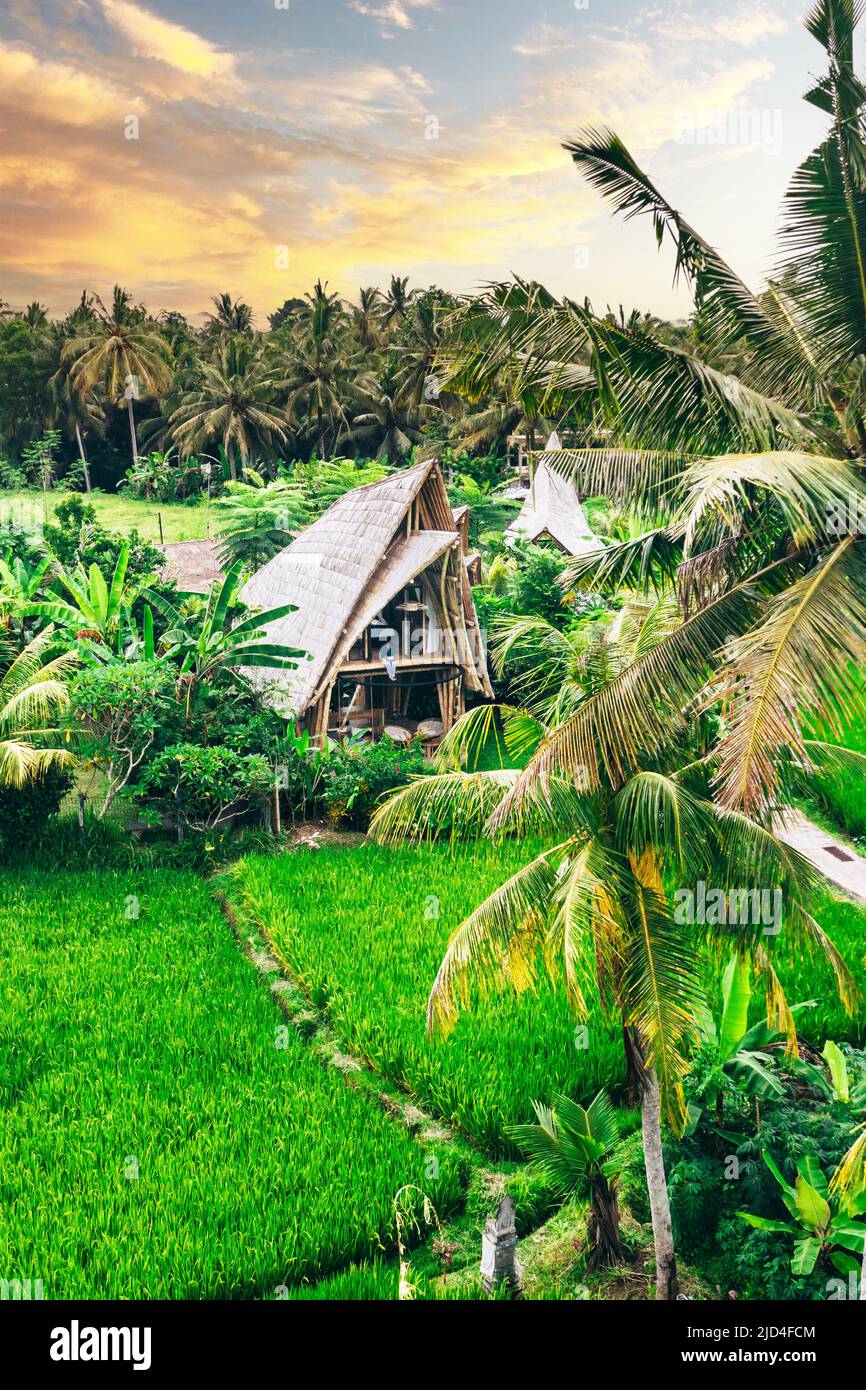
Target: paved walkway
842,865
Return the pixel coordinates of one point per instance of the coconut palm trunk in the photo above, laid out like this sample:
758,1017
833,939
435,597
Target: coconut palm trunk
132,431
667,1287
83,457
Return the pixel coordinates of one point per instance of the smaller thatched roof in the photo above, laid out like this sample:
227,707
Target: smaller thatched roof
193,565
552,511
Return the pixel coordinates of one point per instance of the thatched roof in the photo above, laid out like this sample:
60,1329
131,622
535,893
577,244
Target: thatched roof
553,511
193,565
341,571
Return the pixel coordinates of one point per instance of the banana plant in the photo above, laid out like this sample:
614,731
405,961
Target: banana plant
214,648
96,609
740,1054
21,582
824,1223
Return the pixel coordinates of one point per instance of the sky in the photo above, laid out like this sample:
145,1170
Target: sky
183,148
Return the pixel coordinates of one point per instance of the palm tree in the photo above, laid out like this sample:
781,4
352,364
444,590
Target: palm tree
576,1147
231,403
320,369
387,425
217,649
124,354
36,316
32,692
367,318
397,301
596,904
232,316
74,411
763,493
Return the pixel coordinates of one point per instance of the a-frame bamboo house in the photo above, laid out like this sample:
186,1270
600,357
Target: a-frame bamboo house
384,612
552,512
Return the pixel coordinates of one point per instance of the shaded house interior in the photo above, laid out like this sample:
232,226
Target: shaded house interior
385,614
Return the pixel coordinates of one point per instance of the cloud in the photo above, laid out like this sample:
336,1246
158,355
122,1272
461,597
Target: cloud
59,92
543,40
750,24
394,13
746,24
169,43
325,154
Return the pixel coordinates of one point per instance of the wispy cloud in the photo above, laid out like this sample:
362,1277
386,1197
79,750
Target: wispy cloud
392,14
750,24
169,43
543,40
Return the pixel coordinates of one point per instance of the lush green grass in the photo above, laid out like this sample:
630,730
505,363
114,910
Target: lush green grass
151,1046
841,797
364,931
180,521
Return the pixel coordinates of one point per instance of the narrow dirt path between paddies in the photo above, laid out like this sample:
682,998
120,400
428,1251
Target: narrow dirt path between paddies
485,1184
163,1134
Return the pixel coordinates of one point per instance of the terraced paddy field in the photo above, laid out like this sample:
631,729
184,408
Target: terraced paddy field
161,1134
363,932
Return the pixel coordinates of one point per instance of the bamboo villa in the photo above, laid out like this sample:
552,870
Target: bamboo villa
552,512
384,613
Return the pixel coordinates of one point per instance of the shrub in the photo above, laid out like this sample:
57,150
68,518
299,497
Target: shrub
358,774
12,477
25,810
121,709
76,537
206,786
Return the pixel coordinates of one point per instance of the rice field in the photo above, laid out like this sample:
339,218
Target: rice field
363,931
812,978
837,797
161,1135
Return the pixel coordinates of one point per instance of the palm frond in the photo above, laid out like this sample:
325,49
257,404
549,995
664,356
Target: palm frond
728,309
800,661
498,943
453,804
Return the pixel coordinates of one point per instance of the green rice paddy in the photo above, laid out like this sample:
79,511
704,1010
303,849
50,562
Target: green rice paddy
159,1137
363,932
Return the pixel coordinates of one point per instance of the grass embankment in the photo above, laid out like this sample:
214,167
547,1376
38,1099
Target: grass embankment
181,521
158,1136
363,932
838,798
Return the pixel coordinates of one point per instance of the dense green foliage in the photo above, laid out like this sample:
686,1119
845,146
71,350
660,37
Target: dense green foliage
24,811
356,776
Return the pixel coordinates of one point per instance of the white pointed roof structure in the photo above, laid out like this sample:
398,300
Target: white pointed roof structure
552,511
